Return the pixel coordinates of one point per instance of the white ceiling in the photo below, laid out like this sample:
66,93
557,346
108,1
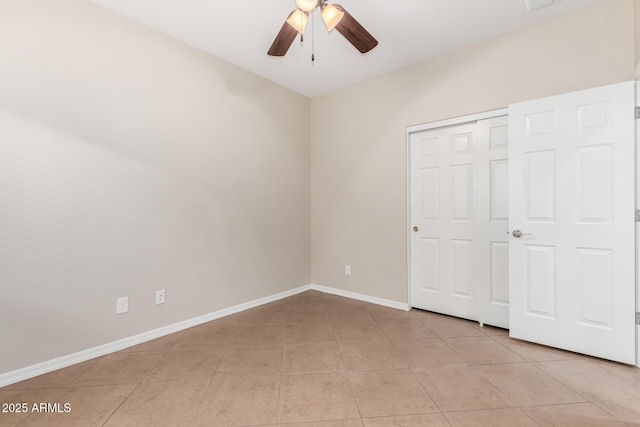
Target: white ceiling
409,31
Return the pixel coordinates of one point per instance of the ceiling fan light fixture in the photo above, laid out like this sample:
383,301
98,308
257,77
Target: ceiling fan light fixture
307,5
331,15
298,20
334,17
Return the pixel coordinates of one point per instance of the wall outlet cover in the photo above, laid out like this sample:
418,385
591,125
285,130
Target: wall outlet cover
347,270
160,297
122,305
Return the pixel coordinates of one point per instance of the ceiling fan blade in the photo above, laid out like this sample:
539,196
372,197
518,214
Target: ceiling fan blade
355,33
283,40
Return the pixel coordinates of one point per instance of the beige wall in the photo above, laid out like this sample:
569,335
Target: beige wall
130,162
358,146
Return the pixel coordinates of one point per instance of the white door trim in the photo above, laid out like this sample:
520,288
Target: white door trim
457,121
637,227
428,126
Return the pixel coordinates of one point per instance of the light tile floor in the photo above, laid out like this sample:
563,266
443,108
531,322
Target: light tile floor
318,360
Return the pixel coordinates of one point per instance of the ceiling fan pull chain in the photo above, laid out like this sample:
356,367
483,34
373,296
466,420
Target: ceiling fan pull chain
313,45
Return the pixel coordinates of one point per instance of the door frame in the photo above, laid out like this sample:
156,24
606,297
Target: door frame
430,126
637,236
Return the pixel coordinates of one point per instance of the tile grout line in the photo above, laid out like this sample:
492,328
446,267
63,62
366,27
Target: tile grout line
610,413
284,334
574,404
346,371
135,388
426,391
587,400
353,396
120,405
208,387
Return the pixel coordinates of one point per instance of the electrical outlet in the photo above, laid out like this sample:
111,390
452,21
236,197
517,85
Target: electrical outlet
122,305
160,296
347,270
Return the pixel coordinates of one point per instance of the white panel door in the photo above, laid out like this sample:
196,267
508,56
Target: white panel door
572,195
443,270
492,220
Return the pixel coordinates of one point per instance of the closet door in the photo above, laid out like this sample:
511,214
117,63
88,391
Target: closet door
492,220
571,213
443,271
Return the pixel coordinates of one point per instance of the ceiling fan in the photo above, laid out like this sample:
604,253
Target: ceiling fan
333,15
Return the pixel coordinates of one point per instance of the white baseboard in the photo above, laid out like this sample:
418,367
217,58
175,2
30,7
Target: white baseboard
91,353
362,297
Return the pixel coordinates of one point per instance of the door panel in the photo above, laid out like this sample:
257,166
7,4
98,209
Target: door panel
540,281
499,191
492,183
429,261
500,277
430,194
460,204
462,192
595,287
462,268
571,193
540,186
442,207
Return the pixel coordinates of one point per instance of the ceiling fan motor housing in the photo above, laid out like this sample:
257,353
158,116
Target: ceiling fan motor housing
307,5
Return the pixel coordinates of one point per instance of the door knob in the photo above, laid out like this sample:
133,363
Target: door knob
415,228
517,234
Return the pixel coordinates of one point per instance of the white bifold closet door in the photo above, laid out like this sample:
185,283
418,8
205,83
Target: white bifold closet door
572,201
459,220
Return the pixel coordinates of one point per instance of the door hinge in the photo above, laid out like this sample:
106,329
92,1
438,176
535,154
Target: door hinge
637,215
637,318
637,112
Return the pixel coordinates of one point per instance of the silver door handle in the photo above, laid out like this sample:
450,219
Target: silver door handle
415,229
518,234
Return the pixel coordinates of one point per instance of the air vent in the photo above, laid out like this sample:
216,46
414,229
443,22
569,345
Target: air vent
532,5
